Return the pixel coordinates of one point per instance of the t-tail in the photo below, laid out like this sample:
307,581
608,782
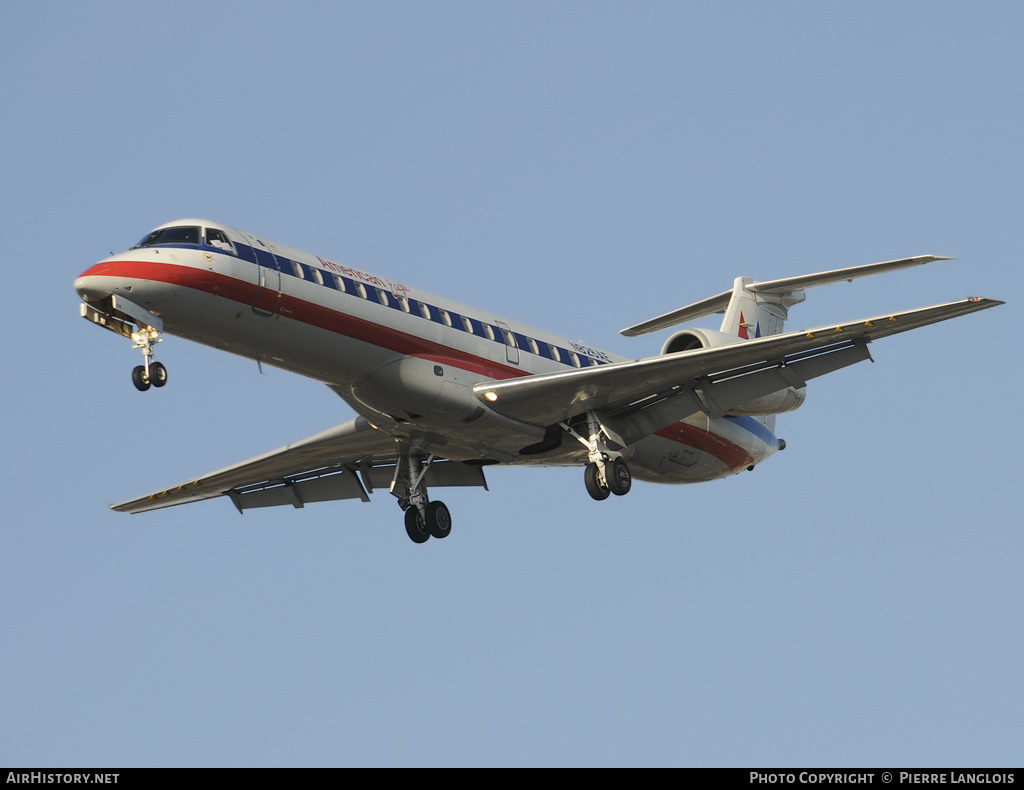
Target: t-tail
759,309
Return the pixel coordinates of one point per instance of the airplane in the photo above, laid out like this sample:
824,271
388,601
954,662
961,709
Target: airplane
442,390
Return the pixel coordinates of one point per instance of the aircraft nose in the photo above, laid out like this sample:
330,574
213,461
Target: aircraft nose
95,282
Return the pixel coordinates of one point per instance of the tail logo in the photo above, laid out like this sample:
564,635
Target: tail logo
743,328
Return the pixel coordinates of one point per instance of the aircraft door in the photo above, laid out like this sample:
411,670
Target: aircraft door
511,347
268,279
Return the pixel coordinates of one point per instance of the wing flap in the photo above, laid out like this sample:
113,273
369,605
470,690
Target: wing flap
550,398
347,484
719,394
329,451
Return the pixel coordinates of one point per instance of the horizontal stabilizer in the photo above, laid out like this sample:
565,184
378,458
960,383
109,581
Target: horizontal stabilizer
716,304
849,274
789,285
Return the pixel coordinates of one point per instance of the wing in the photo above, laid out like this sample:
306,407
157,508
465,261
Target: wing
344,462
666,387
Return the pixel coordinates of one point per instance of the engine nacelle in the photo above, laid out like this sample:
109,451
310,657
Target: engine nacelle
689,339
777,402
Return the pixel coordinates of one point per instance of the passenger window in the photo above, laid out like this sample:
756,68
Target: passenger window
361,290
298,270
446,318
575,359
488,331
338,281
381,296
425,310
404,303
317,276
467,324
554,353
533,345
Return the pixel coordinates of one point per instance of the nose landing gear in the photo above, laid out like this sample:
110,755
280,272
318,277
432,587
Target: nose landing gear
150,373
156,376
121,316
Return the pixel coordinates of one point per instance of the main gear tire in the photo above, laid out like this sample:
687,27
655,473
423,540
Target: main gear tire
596,489
619,478
415,526
439,520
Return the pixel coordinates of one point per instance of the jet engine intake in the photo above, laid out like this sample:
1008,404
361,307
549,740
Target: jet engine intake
691,339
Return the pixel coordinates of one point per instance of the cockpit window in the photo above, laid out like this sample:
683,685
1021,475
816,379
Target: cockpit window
182,234
217,238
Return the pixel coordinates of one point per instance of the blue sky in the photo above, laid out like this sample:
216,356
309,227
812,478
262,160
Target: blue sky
580,166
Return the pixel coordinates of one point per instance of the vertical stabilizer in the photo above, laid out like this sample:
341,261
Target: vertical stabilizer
751,314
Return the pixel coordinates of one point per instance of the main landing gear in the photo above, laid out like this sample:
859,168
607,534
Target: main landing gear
614,478
150,373
434,522
607,473
423,519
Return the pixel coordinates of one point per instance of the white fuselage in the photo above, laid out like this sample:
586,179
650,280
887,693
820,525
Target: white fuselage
404,359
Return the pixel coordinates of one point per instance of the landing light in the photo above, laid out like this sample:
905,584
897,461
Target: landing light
491,396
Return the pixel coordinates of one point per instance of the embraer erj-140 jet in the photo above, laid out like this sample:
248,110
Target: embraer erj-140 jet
443,390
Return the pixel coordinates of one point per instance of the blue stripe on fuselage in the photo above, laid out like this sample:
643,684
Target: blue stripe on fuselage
287,266
756,427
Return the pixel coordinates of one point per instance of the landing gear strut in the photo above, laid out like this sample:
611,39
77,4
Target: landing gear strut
423,519
607,473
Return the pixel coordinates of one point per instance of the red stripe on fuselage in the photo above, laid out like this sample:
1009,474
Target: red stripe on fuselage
305,312
732,455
